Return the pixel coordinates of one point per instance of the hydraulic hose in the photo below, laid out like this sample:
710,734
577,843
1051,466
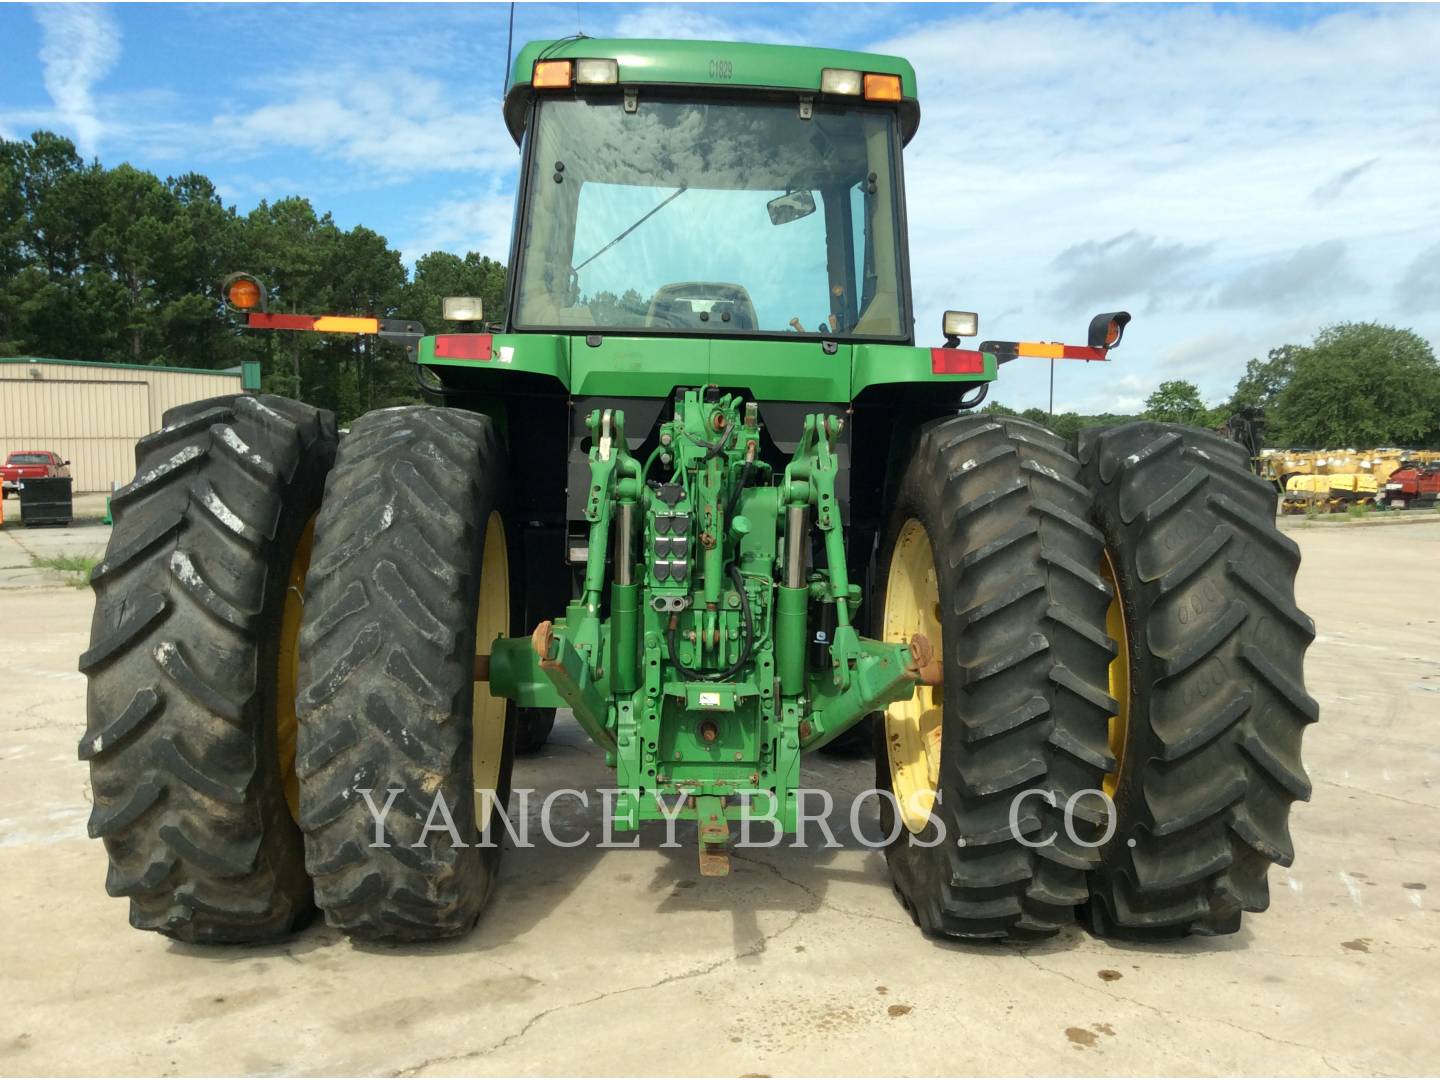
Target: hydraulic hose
749,632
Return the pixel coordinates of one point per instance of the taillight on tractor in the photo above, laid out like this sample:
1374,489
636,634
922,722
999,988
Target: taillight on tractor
957,362
464,346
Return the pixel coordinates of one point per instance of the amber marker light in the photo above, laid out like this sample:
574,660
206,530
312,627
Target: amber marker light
243,293
553,75
882,87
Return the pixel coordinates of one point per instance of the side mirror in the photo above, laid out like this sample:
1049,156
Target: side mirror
1107,329
958,324
791,206
462,309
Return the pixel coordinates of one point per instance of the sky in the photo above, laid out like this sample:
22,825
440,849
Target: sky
1237,177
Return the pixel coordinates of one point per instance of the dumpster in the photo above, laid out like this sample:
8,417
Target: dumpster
46,501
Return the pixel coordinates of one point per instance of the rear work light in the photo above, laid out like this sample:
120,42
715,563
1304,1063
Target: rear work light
462,309
958,324
596,72
882,87
553,75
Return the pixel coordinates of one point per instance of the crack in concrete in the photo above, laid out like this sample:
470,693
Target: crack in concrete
1186,1018
1380,795
820,901
760,945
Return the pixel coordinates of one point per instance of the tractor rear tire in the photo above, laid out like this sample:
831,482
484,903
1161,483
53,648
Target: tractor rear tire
1007,560
1209,738
532,729
187,762
408,584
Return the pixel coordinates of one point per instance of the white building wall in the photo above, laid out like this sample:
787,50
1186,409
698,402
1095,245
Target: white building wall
92,414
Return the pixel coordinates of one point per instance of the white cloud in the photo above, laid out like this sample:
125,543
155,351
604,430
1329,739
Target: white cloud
682,22
479,222
1331,189
81,45
1096,274
390,123
1419,289
759,24
1314,272
1159,158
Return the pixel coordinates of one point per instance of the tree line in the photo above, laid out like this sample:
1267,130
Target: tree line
1358,384
114,264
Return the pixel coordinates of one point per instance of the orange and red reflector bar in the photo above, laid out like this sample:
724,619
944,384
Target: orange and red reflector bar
1056,351
464,347
957,362
325,324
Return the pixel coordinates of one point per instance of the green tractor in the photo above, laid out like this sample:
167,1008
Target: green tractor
701,488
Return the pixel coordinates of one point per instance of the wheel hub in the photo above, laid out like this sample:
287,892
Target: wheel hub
913,726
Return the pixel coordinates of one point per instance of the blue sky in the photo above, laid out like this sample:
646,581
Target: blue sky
1236,177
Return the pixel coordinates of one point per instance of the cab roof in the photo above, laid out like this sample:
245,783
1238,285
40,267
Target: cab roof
710,64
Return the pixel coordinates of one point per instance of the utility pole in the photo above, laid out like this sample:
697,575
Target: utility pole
1052,386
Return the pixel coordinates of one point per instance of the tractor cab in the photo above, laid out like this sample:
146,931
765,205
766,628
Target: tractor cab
763,180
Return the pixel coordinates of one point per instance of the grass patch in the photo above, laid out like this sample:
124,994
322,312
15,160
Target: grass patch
1358,511
77,565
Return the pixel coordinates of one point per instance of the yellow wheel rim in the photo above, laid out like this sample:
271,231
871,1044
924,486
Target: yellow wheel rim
492,620
1119,675
912,727
287,673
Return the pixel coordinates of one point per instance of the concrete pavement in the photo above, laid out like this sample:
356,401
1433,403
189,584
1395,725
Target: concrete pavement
625,961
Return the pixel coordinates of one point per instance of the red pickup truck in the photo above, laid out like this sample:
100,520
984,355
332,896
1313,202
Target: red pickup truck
23,465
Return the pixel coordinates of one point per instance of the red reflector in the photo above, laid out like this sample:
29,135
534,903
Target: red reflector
957,362
463,346
1084,352
259,320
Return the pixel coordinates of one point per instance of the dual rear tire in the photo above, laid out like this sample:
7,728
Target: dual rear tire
1210,727
191,755
990,555
229,595
410,582
1115,617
